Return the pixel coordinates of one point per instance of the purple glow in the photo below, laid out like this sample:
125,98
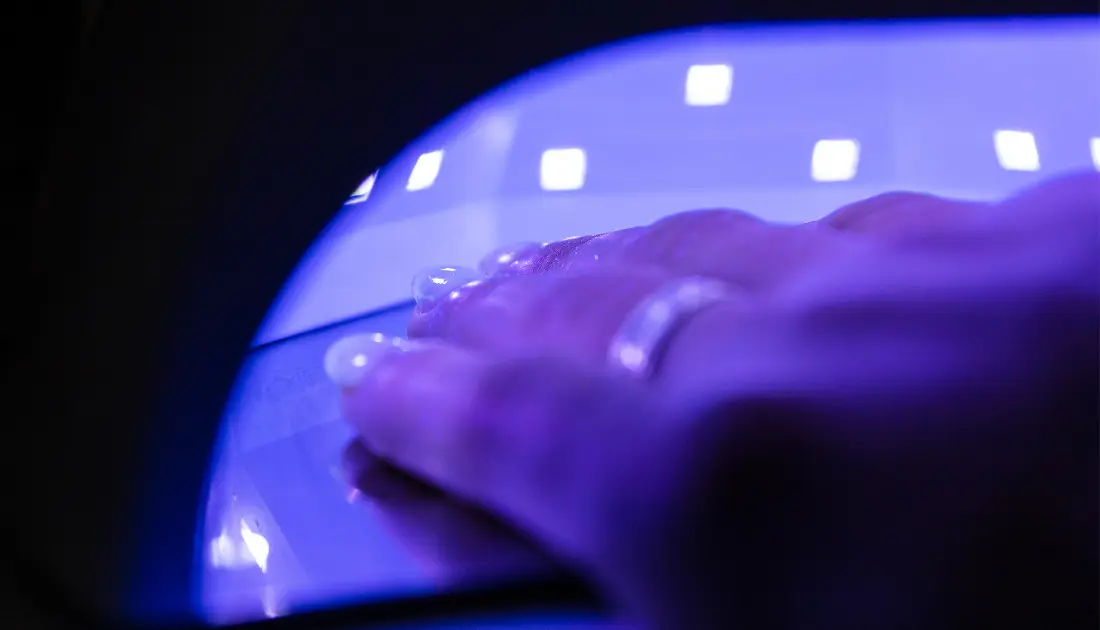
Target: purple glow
787,122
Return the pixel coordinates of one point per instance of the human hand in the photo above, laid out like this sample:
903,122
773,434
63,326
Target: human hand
830,444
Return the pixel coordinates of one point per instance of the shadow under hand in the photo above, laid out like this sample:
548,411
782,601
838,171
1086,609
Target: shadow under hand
455,543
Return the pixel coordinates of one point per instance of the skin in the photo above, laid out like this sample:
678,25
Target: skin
892,424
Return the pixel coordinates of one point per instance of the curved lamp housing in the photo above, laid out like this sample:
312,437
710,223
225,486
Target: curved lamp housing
208,146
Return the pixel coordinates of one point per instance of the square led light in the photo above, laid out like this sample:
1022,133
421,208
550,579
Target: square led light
425,170
360,195
708,85
562,169
834,160
1016,150
1094,146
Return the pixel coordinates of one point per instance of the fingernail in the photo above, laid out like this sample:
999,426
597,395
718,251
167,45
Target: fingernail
350,360
434,283
346,481
367,477
502,257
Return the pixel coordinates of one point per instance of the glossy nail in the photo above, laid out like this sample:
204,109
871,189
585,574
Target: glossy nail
350,360
432,284
502,257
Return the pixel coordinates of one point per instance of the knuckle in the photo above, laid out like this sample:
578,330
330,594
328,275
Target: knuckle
706,217
529,388
686,231
588,308
476,436
899,212
477,429
602,248
673,232
738,247
536,403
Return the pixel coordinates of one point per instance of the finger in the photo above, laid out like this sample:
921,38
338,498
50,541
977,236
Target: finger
531,440
526,257
567,314
556,300
739,248
896,213
734,245
726,244
435,283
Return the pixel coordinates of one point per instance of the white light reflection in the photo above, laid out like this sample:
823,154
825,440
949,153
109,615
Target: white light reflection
256,544
707,86
363,192
1094,146
562,169
425,171
250,549
223,553
1016,150
834,160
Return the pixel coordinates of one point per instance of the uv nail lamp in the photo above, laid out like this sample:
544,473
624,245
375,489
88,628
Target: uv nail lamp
189,439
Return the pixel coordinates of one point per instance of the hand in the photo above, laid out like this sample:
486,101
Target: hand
896,401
